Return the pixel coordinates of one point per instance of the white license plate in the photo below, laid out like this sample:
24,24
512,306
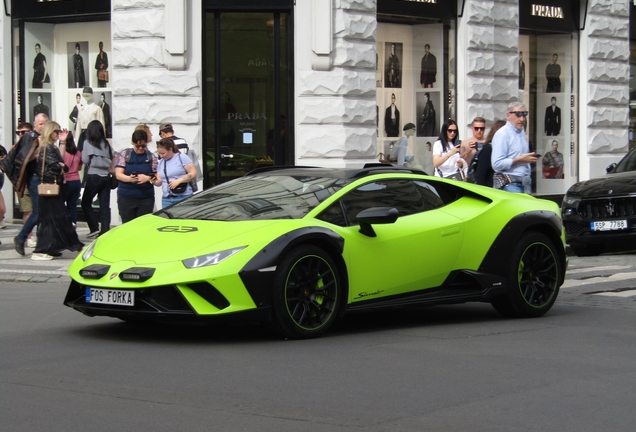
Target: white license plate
108,296
609,225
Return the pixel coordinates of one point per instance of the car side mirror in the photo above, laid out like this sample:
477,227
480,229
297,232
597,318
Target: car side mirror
610,168
376,215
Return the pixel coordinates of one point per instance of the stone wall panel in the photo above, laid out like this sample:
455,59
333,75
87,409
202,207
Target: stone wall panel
368,6
355,55
132,24
157,82
481,63
137,4
608,49
607,141
608,117
609,27
130,53
480,38
328,142
603,94
608,72
354,26
135,110
343,82
336,110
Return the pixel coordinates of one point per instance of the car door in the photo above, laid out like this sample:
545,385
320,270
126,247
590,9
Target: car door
415,252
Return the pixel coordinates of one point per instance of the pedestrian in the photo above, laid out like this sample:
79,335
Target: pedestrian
483,168
20,166
24,202
55,230
136,170
72,184
446,158
472,145
511,155
173,173
166,131
3,207
97,156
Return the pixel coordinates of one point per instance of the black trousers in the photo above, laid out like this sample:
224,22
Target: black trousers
97,185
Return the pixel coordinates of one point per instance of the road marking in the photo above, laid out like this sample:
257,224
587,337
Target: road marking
628,293
592,269
571,283
46,272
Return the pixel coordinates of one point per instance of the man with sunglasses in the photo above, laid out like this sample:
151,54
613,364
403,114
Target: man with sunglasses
471,146
511,155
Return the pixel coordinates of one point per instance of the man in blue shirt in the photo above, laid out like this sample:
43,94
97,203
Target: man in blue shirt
511,155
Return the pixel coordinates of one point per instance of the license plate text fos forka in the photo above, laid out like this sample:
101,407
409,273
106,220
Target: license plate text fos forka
108,296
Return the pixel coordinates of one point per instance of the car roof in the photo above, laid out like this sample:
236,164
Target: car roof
341,173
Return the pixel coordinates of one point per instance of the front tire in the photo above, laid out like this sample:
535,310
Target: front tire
306,293
533,278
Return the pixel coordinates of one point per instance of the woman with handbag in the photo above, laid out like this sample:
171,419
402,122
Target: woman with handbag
55,230
97,156
174,173
446,158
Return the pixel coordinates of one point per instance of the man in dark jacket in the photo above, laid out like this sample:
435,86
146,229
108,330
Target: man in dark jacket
20,166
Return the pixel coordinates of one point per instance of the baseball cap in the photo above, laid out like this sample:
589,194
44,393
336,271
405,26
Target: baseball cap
165,125
408,126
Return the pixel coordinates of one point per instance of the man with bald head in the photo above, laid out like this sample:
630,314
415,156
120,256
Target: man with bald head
24,175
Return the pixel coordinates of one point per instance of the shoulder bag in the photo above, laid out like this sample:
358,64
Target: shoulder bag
193,182
111,170
47,189
181,187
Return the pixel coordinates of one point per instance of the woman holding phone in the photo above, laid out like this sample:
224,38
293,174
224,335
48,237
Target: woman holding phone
136,169
446,158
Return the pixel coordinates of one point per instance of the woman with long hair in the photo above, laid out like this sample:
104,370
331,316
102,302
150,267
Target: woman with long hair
173,173
55,230
484,171
72,184
97,156
446,158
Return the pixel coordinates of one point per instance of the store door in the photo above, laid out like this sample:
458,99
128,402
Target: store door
247,93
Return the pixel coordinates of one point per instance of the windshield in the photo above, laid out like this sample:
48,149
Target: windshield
628,163
259,197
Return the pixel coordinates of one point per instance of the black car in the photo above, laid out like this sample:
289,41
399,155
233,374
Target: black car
599,215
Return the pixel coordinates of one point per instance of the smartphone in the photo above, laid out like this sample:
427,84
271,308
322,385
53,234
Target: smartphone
479,145
133,173
537,155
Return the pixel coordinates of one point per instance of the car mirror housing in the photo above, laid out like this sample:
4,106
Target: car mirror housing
610,168
376,215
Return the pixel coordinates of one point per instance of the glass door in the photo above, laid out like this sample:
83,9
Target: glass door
247,104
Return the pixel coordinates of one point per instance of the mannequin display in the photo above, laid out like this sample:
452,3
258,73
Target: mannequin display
89,112
399,149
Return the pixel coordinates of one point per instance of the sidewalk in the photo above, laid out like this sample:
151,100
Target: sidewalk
18,268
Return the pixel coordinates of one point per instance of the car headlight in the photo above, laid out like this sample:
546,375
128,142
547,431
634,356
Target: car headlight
211,259
88,252
571,201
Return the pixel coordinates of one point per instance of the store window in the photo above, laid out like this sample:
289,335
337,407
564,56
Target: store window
632,77
415,75
548,85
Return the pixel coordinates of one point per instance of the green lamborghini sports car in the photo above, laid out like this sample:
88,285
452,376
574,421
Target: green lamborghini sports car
301,246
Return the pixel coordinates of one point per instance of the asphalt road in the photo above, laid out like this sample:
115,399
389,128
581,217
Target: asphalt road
449,368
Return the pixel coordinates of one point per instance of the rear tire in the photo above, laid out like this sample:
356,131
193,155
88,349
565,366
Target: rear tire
533,278
306,293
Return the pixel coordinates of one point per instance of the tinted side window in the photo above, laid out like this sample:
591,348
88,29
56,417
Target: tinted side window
407,196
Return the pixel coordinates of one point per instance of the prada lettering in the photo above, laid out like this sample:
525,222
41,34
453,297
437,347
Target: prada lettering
246,116
51,1
547,11
422,1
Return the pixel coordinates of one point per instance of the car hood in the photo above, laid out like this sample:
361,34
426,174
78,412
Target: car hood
611,184
153,239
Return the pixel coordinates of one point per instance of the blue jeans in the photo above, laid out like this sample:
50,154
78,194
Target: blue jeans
514,187
168,201
32,220
71,193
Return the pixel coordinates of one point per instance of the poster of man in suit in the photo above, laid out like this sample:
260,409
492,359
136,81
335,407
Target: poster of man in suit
393,65
552,119
427,109
392,119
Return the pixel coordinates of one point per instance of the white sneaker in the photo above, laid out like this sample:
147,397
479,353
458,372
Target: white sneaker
32,242
41,257
3,224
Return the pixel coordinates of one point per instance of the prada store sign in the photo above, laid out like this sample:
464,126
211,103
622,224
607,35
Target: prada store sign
551,15
55,9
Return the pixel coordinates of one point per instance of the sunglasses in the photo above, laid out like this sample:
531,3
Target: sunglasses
57,131
140,146
451,130
520,113
479,128
21,132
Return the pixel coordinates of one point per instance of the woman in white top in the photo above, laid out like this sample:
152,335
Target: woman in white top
174,173
446,158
